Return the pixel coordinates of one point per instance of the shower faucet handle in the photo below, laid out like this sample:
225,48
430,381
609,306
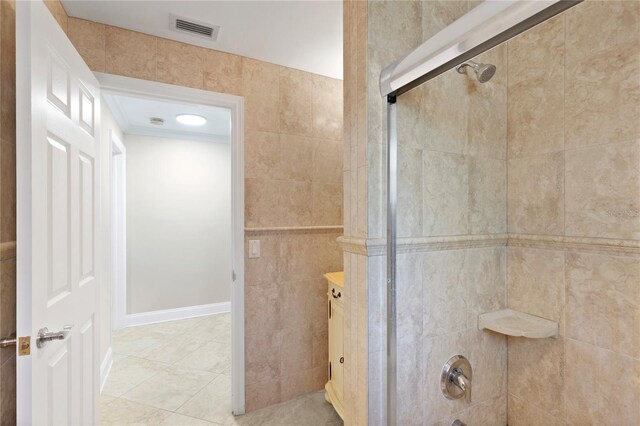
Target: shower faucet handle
460,380
455,380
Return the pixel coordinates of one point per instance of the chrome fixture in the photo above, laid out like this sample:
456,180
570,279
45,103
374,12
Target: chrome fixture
487,25
455,380
7,342
458,422
484,72
44,335
23,343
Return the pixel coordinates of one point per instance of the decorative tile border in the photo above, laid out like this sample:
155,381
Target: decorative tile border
582,244
377,246
292,229
363,246
7,250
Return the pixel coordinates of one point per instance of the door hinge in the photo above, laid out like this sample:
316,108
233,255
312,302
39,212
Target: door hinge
329,309
233,276
24,346
329,370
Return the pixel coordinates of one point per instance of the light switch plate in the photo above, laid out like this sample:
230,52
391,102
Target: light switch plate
254,249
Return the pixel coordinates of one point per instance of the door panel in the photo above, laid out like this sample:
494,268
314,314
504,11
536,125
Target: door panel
88,388
58,85
59,377
58,208
87,183
58,112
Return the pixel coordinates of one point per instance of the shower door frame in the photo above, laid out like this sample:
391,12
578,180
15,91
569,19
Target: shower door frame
391,96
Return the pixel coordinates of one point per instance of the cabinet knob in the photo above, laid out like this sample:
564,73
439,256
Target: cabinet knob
341,360
334,294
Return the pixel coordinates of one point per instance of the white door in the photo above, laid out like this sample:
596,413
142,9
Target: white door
57,129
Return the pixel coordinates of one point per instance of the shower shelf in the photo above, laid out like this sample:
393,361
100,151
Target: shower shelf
518,324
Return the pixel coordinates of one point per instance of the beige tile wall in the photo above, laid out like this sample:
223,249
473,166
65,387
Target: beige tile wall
438,319
286,327
574,159
359,275
452,182
293,178
7,210
566,98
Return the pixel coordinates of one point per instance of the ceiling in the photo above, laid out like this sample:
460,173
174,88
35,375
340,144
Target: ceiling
133,115
306,35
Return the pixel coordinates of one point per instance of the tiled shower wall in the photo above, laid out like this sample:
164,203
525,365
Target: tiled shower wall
293,185
452,209
452,204
7,210
574,216
561,119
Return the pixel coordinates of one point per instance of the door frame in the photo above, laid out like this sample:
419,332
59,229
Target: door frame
118,199
154,90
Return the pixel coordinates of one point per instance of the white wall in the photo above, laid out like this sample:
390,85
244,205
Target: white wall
178,223
108,124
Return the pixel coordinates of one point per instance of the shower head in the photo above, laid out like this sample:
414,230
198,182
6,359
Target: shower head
484,72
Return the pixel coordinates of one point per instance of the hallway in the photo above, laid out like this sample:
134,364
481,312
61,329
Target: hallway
178,373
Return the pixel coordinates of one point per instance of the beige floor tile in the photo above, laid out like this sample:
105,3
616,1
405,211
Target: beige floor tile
212,356
123,412
175,349
213,403
142,389
103,402
213,328
129,372
176,419
119,357
171,388
308,410
133,341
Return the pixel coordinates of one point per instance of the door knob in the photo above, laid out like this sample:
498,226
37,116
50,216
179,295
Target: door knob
44,335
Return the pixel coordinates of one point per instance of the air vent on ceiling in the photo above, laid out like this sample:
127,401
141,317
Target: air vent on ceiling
195,28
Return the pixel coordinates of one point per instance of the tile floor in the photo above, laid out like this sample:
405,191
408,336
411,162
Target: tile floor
178,373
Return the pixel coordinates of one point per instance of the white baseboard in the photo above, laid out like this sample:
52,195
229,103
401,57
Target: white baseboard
105,368
176,314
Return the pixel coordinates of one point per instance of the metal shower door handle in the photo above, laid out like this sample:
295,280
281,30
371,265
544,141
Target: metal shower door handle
44,335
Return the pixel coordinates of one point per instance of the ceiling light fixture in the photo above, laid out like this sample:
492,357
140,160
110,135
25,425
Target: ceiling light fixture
191,119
